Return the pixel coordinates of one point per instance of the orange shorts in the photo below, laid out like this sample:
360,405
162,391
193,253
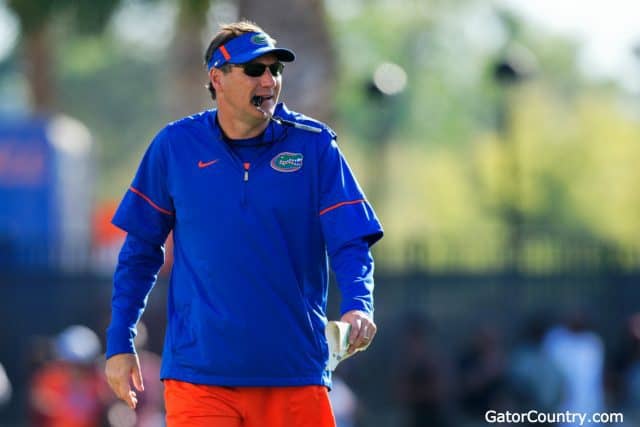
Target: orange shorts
193,405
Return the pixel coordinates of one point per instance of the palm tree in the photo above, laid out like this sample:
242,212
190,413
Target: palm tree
188,72
302,26
36,17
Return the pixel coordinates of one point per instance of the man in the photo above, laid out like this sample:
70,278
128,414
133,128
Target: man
259,198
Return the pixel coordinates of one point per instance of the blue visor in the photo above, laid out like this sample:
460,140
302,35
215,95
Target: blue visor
247,47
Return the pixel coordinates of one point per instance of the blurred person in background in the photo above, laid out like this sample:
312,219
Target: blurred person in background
482,373
69,391
424,376
40,350
5,387
535,380
344,402
579,353
623,376
260,200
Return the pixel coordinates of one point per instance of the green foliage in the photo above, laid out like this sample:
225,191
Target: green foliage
91,16
120,97
577,164
88,15
566,160
194,9
33,14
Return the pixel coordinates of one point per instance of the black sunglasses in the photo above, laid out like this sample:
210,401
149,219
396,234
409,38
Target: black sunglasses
256,69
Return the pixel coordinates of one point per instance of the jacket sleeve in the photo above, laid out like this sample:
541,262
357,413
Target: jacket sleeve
345,213
147,214
147,208
352,264
136,273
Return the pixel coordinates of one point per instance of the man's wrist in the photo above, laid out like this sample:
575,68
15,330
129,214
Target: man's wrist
361,306
119,340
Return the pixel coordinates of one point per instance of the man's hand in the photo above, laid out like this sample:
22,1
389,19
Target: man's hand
362,329
119,369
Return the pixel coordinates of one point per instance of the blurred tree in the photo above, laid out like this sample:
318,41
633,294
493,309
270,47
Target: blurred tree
447,176
514,65
188,74
578,160
302,26
301,30
36,18
444,157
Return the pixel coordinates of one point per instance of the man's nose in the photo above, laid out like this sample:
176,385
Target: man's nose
267,79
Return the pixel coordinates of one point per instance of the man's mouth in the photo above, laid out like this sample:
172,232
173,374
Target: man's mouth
257,100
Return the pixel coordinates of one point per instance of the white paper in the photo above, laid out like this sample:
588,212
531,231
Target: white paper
337,334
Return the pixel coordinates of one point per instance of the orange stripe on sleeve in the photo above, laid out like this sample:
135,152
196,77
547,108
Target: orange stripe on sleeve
337,205
148,200
225,53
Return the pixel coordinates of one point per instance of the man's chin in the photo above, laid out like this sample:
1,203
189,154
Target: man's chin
266,110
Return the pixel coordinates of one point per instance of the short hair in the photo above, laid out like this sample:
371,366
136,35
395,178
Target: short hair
226,33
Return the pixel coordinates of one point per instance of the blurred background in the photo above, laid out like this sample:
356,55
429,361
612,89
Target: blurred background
498,141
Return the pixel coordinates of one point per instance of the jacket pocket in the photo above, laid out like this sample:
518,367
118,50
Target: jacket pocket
316,326
182,335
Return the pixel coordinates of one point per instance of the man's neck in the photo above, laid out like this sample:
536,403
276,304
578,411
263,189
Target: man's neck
240,129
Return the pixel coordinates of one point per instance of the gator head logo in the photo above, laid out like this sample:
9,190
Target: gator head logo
260,39
287,162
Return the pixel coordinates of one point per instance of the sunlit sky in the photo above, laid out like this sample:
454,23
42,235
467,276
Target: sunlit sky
608,31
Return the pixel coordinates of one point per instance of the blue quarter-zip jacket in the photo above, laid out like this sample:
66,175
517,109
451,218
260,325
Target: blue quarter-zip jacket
248,289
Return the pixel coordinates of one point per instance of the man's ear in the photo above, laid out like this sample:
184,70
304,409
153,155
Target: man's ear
215,77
